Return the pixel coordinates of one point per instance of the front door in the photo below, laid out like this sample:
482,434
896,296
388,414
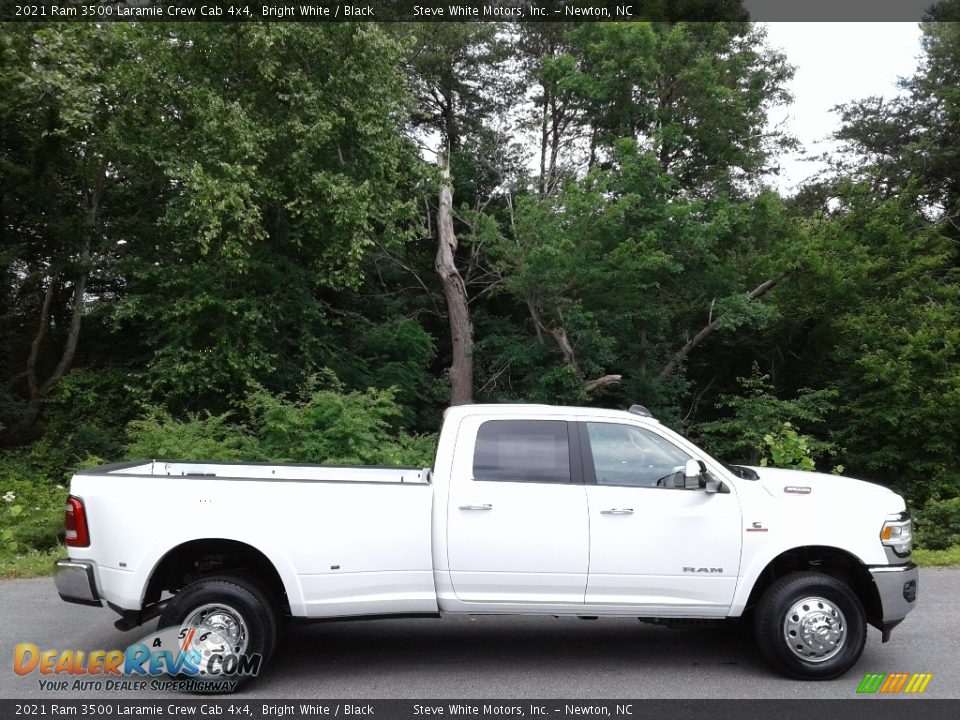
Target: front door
517,530
655,546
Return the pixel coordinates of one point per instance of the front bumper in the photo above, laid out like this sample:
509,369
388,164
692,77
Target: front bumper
897,587
76,582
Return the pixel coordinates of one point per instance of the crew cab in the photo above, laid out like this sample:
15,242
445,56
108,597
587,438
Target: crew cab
527,509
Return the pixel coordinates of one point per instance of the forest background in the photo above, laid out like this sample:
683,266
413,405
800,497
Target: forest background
237,242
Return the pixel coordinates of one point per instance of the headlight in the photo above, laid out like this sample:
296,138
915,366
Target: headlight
897,534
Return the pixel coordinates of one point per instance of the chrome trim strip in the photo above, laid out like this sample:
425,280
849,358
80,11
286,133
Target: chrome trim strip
892,568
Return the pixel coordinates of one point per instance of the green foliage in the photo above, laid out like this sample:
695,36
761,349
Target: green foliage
158,435
890,341
324,425
31,508
911,138
387,352
762,428
221,214
561,385
695,94
249,204
938,524
788,449
83,418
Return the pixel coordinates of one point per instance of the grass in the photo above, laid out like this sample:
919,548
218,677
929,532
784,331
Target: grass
937,558
35,563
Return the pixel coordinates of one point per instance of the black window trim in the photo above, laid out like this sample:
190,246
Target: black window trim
574,459
586,452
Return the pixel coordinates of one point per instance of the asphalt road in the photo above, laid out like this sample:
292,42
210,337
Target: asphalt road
506,657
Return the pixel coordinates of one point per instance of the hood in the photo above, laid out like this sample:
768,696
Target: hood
783,483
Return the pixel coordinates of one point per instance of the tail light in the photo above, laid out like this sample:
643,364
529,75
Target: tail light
75,523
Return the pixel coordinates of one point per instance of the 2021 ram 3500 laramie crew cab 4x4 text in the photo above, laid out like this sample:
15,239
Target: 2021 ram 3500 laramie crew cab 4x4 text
528,509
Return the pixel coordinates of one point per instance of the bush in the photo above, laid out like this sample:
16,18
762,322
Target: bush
31,508
763,429
323,425
938,524
198,437
327,425
788,449
84,416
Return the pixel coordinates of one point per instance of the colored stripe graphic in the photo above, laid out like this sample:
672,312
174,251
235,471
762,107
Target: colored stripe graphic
892,683
871,682
918,683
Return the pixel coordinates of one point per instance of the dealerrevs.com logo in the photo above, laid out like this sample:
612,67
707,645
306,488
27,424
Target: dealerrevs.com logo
892,683
184,658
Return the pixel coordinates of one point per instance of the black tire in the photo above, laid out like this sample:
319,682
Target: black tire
783,616
241,596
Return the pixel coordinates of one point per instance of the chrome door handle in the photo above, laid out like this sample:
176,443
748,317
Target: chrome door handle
617,511
477,507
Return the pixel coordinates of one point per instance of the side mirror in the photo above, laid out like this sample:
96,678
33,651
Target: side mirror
691,474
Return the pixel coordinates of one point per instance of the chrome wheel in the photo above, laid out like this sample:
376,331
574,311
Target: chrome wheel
814,629
219,627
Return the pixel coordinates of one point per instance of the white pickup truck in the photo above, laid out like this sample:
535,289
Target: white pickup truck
528,509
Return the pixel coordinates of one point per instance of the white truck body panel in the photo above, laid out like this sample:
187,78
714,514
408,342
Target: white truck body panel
370,541
306,523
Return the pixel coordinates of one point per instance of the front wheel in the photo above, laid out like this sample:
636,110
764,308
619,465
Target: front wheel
230,622
810,626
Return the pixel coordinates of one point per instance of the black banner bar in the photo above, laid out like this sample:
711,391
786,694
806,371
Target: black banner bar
234,707
452,11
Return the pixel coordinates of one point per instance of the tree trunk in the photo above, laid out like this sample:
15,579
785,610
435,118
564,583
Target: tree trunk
671,367
73,336
38,391
544,142
455,292
32,384
563,342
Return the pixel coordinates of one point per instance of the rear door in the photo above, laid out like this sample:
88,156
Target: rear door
517,529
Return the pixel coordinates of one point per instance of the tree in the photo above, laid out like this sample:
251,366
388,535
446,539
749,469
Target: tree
658,209
68,200
694,95
910,140
458,73
461,329
895,359
284,150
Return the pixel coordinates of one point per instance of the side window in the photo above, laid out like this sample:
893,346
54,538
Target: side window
632,456
522,451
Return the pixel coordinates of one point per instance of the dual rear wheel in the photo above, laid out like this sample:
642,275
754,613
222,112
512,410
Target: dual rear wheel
230,620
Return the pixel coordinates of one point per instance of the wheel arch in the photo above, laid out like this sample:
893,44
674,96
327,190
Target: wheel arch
196,558
836,562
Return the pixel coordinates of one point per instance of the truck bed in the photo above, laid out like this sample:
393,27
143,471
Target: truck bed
266,471
349,540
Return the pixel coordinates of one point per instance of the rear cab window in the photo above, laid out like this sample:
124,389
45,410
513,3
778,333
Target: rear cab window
524,451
